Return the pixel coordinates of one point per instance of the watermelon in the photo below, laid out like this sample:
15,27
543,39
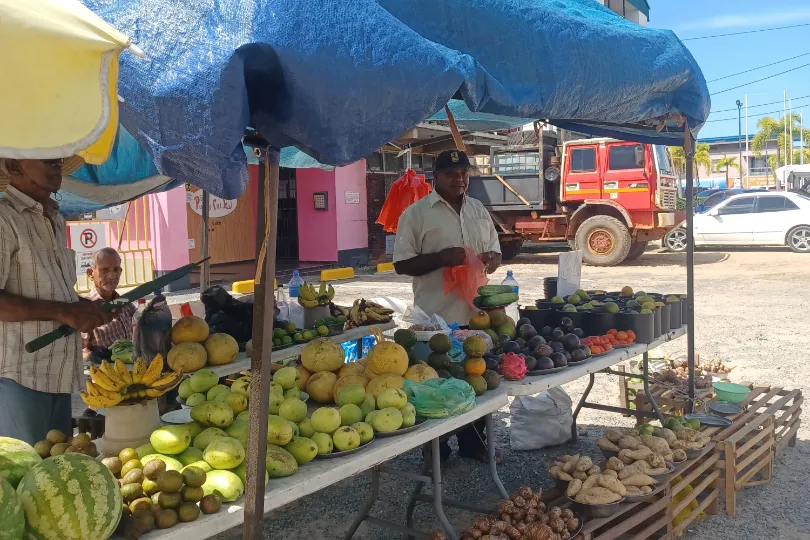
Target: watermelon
12,519
71,497
16,457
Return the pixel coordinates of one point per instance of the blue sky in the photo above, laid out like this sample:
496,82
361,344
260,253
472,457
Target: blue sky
723,56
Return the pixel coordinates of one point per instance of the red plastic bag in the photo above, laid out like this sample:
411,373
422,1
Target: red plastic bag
464,280
405,191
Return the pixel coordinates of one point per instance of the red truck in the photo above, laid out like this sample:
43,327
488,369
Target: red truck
605,197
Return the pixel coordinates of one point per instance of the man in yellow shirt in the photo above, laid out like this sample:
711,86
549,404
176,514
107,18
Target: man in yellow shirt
431,236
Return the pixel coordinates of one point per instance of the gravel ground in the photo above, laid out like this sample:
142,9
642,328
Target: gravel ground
751,308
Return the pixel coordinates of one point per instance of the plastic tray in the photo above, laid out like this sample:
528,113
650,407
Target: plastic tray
343,453
725,408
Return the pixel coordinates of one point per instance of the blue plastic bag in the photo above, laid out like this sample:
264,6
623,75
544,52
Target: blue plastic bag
440,398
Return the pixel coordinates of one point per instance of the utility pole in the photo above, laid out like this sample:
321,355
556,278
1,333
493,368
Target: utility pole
801,136
784,121
739,141
790,119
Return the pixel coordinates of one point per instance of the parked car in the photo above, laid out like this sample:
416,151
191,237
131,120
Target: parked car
759,218
719,196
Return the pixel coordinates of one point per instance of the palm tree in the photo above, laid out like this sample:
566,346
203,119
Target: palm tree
772,128
701,157
724,164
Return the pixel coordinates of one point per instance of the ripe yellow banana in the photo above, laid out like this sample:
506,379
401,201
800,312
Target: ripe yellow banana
307,303
153,371
97,391
100,402
168,382
138,370
154,392
307,292
123,372
109,370
102,380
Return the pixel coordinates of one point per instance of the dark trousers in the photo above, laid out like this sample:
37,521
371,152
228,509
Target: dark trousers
28,415
471,439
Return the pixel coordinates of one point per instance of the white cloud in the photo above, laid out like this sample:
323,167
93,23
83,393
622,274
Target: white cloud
747,20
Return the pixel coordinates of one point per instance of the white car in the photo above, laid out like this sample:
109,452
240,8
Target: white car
776,218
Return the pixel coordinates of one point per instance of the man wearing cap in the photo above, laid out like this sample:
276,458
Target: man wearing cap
37,295
431,236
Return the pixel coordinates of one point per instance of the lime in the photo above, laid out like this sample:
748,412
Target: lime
286,340
323,331
318,323
290,327
342,319
308,334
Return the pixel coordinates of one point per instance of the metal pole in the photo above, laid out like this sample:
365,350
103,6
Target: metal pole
801,136
784,121
205,270
264,302
790,119
739,140
747,155
690,265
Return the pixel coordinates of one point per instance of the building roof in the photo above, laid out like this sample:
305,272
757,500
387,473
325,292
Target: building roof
642,6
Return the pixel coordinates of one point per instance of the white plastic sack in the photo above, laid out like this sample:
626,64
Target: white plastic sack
415,315
540,421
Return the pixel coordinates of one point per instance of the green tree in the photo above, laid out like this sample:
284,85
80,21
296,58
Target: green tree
701,157
774,129
724,164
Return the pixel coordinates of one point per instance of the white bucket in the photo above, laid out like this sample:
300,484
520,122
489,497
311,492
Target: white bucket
128,426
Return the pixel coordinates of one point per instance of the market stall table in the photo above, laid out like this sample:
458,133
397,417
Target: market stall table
540,383
321,473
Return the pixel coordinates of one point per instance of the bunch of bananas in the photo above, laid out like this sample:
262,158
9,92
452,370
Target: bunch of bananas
113,383
308,297
364,312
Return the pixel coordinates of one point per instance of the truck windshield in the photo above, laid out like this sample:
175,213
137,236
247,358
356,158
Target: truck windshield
664,160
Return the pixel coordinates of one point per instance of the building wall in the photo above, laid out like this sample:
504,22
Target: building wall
377,185
756,176
317,229
352,218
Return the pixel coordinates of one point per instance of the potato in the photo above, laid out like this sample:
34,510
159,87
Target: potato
559,474
580,475
608,472
615,464
629,471
656,444
597,495
655,460
607,445
613,435
668,435
573,488
594,470
590,482
570,464
639,454
566,458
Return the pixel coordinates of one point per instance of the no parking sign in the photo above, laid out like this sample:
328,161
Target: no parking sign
86,239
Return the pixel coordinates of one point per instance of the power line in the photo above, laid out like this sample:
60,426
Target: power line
760,80
759,67
749,116
760,105
746,32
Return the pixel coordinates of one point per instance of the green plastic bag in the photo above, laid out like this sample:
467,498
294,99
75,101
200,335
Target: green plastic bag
440,398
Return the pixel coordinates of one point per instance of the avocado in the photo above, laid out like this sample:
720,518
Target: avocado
511,347
492,378
438,360
545,363
531,363
559,359
405,337
456,371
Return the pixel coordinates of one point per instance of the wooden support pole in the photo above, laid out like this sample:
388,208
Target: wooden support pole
690,264
263,307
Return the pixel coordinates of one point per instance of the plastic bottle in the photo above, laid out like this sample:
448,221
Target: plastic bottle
512,309
294,285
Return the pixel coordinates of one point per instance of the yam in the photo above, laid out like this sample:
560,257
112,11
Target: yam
581,475
584,464
609,472
639,479
656,444
612,484
613,435
668,435
639,454
607,445
615,464
573,488
678,455
628,443
656,460
597,495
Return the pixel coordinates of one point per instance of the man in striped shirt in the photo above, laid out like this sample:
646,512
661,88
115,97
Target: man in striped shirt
37,295
105,275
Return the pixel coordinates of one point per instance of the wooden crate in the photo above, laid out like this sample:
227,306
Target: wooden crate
669,403
656,518
785,406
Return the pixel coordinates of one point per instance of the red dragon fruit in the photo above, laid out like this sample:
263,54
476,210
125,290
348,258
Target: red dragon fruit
513,367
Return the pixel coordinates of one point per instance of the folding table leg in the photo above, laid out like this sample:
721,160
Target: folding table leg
647,393
574,433
363,514
437,488
493,465
418,488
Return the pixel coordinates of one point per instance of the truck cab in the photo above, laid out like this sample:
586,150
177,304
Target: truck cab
605,197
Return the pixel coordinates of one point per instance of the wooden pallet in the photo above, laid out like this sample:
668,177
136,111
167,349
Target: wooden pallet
785,406
656,518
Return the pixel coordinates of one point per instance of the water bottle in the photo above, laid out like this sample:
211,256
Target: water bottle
294,285
512,309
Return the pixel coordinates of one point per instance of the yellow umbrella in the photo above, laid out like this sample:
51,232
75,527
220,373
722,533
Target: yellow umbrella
59,95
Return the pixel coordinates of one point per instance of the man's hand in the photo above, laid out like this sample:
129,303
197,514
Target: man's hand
491,259
84,316
454,256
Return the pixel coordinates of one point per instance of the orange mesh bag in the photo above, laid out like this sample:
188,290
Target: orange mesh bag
405,191
464,280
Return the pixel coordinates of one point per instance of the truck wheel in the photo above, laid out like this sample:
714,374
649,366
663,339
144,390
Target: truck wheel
511,249
637,249
604,241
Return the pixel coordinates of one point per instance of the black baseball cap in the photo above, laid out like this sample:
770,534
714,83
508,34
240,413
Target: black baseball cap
451,159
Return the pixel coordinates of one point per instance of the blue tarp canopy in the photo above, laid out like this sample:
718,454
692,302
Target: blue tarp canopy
339,79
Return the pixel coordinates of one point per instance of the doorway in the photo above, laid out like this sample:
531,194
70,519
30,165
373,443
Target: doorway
287,238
